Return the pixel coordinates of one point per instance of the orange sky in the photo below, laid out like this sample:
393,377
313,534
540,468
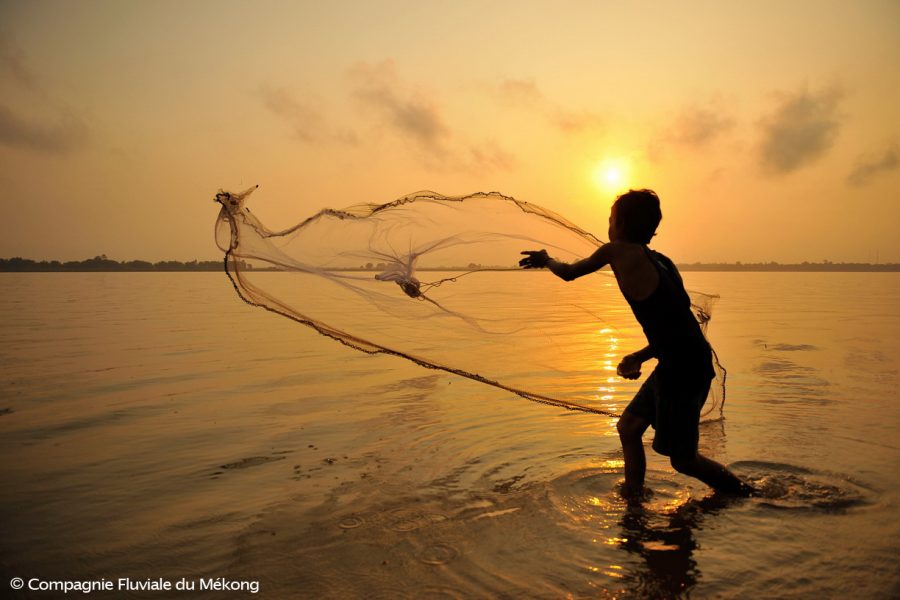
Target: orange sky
770,130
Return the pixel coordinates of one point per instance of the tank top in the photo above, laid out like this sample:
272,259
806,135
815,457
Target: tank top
670,326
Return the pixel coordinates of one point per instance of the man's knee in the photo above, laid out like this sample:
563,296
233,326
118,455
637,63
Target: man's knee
631,427
684,463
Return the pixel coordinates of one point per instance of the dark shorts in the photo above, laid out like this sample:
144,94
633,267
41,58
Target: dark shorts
673,408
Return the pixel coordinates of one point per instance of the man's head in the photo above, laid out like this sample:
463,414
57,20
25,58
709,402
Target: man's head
634,217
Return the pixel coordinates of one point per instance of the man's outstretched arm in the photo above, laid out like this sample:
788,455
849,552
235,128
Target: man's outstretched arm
539,259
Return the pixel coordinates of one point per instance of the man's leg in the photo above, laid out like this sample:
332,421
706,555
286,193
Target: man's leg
631,429
712,474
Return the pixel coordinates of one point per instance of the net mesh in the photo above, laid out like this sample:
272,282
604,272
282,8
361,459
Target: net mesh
434,280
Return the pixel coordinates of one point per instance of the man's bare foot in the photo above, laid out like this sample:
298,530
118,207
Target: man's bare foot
633,497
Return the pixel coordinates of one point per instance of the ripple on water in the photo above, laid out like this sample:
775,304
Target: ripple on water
403,519
438,554
594,494
787,486
351,522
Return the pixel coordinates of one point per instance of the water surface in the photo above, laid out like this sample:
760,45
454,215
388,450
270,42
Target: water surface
155,426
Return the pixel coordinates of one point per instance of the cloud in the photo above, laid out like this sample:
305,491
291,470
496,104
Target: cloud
525,94
519,93
13,66
802,128
59,131
869,166
411,113
305,120
400,108
66,134
488,156
575,122
697,127
417,118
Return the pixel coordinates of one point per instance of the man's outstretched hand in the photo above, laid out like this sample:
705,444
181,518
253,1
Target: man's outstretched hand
534,259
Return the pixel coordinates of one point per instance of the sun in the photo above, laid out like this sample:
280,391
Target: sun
611,175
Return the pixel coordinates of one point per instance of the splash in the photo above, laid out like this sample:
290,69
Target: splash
786,486
433,279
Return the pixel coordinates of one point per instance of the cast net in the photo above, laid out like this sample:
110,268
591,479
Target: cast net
434,280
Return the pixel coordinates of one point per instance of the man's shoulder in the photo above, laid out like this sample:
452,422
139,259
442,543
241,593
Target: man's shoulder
623,249
665,260
658,254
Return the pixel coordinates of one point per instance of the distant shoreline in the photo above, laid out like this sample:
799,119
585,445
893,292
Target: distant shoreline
106,265
793,267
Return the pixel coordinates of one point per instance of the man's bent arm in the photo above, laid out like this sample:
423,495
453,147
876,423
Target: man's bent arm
644,354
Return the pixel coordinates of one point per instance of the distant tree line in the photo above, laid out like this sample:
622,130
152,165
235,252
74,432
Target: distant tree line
825,266
102,263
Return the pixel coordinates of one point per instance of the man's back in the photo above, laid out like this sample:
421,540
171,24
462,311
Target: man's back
669,324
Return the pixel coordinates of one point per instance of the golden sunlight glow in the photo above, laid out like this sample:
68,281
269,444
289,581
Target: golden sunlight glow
611,175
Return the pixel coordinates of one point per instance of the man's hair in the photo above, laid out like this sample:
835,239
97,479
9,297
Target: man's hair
640,213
